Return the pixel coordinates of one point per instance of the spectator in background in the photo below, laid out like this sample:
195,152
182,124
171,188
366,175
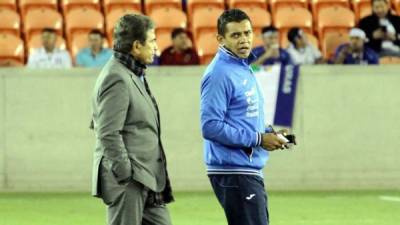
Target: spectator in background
382,29
300,50
94,55
49,56
270,53
355,52
181,52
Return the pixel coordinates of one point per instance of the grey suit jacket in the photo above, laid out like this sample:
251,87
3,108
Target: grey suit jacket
126,127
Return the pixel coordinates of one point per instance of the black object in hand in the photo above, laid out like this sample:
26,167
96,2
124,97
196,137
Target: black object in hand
291,138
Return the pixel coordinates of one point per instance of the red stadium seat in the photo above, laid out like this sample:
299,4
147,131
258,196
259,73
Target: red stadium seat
67,5
317,5
8,4
331,41
247,3
275,5
163,41
334,18
11,48
9,22
34,22
110,5
293,16
259,17
113,16
25,5
361,8
389,60
156,4
167,19
396,4
207,47
82,20
194,5
200,25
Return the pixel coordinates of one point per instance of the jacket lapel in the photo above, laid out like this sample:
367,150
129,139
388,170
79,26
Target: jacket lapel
140,85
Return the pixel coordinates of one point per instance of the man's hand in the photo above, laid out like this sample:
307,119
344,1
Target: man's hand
271,53
271,142
378,34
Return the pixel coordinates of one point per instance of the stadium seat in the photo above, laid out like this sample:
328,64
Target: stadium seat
334,18
199,24
68,5
79,41
396,4
207,46
317,5
10,21
275,5
156,4
163,41
25,5
110,5
34,22
361,8
247,3
194,5
36,42
166,19
310,37
11,48
259,17
293,16
331,41
9,4
113,16
82,20
389,60
364,11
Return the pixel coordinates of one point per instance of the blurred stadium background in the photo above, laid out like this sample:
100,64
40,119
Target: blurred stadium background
344,171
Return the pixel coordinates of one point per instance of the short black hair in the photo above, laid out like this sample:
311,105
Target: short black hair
49,30
96,32
232,15
131,28
293,34
268,29
177,31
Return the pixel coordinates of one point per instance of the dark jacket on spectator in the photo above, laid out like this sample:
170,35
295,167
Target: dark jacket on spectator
188,57
370,23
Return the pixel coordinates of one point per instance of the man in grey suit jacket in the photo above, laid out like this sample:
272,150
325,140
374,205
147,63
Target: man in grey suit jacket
129,171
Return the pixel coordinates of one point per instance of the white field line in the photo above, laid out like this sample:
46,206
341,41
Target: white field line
389,198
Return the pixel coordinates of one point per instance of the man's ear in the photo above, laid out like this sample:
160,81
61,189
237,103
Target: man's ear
136,47
220,39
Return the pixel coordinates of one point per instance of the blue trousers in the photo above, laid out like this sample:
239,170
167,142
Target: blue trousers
243,198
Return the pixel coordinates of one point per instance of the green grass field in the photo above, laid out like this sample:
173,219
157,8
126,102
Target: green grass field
197,208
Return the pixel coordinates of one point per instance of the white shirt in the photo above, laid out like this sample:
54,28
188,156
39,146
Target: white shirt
307,55
57,59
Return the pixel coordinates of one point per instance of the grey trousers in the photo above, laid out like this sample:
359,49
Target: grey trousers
126,203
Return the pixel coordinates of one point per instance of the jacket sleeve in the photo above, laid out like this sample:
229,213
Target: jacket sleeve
216,93
112,104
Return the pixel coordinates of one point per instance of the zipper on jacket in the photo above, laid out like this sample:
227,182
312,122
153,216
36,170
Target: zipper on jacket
251,155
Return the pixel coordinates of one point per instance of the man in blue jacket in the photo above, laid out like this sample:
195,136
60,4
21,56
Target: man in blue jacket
232,121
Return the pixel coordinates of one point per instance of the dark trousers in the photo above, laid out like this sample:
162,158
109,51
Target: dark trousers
243,198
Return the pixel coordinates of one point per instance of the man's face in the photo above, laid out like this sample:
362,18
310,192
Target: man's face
238,38
95,41
144,52
271,39
380,8
182,42
49,40
301,41
356,43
